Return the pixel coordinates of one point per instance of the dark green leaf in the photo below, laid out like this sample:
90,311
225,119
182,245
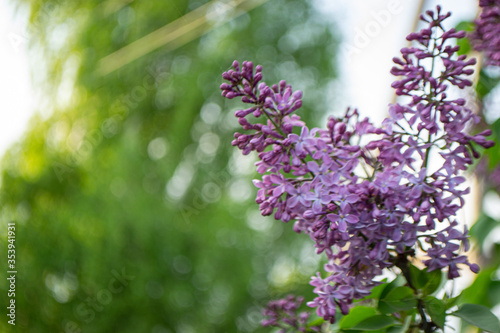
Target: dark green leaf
436,309
383,330
375,323
397,282
400,328
479,316
434,279
398,299
385,308
425,281
418,277
494,293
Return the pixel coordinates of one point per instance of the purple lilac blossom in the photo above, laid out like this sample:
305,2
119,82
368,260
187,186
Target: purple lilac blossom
283,313
364,222
486,36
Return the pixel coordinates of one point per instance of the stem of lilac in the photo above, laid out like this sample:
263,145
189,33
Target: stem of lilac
282,133
364,169
375,169
272,121
402,262
402,128
362,160
431,95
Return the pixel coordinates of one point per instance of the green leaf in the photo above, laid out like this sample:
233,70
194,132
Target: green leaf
395,329
464,43
383,330
401,328
375,293
433,281
479,316
492,154
375,323
418,277
436,309
398,299
478,291
485,84
465,26
356,315
450,302
428,282
496,132
316,322
397,282
482,228
494,293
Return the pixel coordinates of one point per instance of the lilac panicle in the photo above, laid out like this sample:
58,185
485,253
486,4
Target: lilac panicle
283,313
367,221
486,36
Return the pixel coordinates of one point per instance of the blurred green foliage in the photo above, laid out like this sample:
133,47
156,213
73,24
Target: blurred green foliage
133,212
485,289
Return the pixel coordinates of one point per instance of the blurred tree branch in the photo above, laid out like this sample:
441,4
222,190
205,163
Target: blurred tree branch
179,32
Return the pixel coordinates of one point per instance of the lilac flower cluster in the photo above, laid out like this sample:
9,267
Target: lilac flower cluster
368,196
282,313
486,36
